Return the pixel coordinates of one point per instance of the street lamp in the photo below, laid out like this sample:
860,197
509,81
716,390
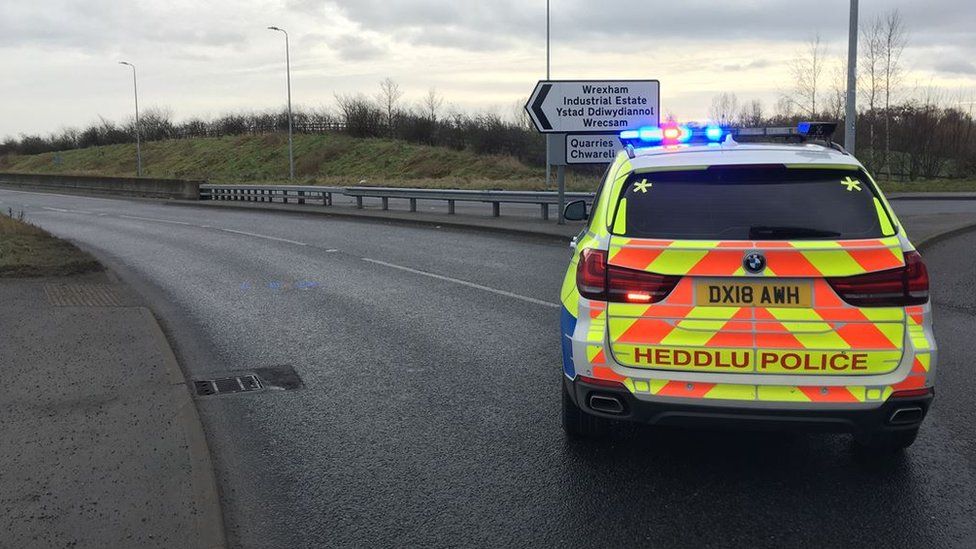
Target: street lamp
850,127
548,165
291,153
135,91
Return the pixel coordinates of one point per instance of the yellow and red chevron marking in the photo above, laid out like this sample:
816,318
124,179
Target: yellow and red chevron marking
783,259
831,326
760,393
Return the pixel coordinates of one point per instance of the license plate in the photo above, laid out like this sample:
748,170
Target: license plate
728,293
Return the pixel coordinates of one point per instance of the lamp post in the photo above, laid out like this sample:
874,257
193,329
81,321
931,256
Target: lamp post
135,91
291,151
548,166
850,127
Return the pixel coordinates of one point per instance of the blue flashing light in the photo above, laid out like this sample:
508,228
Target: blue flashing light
803,128
650,136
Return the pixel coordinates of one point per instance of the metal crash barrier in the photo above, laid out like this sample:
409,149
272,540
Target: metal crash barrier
303,194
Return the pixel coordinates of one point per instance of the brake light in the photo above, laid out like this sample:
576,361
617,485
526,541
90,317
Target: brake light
591,274
597,280
908,285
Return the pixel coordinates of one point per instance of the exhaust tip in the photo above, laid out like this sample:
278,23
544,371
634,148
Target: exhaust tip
607,404
906,416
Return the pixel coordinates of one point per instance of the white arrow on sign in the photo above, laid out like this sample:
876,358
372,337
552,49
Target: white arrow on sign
562,106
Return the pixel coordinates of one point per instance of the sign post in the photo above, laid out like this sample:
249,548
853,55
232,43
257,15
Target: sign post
588,115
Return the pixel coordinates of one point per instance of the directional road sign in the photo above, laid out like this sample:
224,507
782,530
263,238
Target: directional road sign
593,106
592,148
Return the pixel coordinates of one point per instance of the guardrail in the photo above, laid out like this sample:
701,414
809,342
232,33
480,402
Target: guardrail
270,193
301,194
147,187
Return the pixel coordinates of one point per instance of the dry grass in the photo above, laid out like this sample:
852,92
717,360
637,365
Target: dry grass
329,159
28,251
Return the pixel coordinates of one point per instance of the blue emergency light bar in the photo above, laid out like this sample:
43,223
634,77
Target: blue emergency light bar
651,136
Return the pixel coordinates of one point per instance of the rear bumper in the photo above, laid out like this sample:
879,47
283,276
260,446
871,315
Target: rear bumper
894,415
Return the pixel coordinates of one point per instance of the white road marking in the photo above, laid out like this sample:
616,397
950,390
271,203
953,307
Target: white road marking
266,237
75,196
154,219
465,283
65,211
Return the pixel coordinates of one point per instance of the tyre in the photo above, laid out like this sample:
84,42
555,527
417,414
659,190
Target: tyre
887,441
579,424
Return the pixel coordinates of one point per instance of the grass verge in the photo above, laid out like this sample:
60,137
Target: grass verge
327,159
929,185
336,159
28,251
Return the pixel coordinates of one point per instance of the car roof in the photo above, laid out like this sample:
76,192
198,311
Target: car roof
732,153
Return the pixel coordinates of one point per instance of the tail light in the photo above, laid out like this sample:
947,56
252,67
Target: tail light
597,280
908,285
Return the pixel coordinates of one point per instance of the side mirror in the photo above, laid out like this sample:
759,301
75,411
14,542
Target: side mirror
575,211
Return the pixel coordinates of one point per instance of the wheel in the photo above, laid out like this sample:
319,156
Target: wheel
887,441
579,424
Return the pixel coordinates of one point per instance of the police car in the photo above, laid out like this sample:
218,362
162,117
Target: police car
753,284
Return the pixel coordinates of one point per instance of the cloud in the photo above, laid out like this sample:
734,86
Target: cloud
751,65
95,26
957,67
353,47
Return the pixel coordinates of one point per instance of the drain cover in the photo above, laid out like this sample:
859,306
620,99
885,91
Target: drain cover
223,385
282,378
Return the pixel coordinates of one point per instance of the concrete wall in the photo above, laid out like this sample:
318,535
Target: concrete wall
119,186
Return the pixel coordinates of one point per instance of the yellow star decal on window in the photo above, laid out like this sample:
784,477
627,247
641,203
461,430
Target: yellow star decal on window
851,184
642,186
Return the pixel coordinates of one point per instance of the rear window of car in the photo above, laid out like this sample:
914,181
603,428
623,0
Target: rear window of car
751,203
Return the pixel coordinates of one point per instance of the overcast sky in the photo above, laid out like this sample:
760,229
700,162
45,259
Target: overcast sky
206,57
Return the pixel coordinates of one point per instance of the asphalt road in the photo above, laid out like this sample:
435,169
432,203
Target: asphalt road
430,413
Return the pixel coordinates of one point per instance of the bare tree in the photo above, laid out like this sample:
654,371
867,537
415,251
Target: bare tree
521,116
785,109
870,83
807,71
894,39
389,98
431,104
751,114
724,109
836,103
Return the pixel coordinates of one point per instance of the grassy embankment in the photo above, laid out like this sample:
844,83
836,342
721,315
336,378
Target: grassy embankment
330,159
28,251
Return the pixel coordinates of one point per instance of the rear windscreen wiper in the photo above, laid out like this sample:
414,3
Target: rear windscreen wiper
762,232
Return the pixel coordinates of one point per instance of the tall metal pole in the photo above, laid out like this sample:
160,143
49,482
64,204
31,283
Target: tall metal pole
135,91
548,165
850,128
291,150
